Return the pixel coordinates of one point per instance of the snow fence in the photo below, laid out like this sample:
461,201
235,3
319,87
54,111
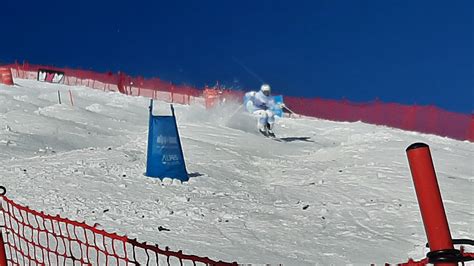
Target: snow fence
424,119
29,237
138,86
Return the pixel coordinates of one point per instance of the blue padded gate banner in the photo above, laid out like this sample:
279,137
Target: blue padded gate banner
164,155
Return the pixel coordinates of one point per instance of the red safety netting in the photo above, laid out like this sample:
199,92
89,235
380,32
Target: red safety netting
469,257
35,238
425,119
136,86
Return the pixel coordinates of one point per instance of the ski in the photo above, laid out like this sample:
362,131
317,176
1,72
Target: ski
269,135
264,133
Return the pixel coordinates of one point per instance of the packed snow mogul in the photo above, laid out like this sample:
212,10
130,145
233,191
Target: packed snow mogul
261,104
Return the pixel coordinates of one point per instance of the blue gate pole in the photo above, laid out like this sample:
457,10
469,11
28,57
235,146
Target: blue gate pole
179,138
150,140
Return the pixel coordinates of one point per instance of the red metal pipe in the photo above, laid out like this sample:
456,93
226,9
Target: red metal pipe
429,198
3,257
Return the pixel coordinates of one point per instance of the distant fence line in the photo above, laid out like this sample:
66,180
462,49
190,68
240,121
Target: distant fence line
424,119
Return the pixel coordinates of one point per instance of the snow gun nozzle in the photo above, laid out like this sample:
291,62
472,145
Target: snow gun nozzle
416,146
3,190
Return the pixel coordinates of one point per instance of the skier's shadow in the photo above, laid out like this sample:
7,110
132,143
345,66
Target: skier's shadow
291,139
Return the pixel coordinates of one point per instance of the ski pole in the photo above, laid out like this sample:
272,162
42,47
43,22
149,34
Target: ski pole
247,69
291,111
238,109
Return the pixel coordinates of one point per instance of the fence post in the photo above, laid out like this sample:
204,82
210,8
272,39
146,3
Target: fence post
3,256
70,98
172,96
470,130
431,204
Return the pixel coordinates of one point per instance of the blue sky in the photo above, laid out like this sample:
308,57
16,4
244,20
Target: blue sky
410,52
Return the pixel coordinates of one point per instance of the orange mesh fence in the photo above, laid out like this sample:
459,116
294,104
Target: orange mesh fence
136,86
35,238
468,256
424,119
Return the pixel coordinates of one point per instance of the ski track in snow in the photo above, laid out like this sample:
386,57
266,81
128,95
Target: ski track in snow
331,193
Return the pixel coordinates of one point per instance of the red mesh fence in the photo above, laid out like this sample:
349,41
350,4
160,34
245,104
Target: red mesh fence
136,86
35,238
29,237
425,119
468,256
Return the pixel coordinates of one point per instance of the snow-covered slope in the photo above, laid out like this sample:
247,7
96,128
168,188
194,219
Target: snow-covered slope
330,193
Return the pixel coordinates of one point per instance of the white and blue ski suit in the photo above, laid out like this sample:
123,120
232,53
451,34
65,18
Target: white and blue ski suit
261,105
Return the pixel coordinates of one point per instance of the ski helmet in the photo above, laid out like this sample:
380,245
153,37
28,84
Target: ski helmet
265,88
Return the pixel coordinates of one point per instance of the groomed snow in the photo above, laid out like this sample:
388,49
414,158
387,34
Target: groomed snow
331,193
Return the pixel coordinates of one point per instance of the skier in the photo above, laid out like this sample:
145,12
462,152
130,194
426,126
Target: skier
261,104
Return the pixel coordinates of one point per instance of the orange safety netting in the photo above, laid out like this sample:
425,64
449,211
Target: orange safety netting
467,255
424,119
136,86
35,238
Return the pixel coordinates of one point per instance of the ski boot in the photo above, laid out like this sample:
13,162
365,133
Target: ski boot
269,131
